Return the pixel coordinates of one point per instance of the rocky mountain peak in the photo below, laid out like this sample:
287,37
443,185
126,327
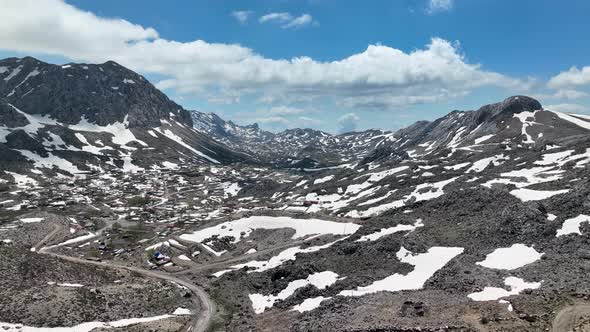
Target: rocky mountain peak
103,94
508,107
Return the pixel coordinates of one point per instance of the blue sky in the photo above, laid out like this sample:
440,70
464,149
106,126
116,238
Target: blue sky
366,64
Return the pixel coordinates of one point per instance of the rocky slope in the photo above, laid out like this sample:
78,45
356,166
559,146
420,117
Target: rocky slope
82,117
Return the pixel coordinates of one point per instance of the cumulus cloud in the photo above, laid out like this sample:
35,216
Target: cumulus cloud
380,77
573,108
55,27
436,6
571,78
241,16
348,122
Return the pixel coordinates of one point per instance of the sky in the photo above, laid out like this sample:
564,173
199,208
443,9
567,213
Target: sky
332,65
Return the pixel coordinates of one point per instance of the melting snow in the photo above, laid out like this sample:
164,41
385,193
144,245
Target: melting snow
22,180
120,131
230,189
75,240
14,72
181,311
482,164
517,285
523,116
324,179
572,225
554,158
168,133
387,231
483,138
302,227
50,161
574,120
319,280
289,254
425,266
310,304
31,220
65,284
526,195
87,327
518,255
419,194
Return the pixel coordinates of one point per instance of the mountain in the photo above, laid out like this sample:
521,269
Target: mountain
291,148
518,121
83,117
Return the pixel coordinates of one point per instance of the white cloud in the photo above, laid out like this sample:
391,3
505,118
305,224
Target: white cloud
277,17
283,110
573,108
562,94
380,76
278,122
299,22
272,120
287,20
436,6
55,27
241,16
570,94
348,122
572,77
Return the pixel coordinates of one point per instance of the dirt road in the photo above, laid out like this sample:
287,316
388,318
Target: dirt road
576,316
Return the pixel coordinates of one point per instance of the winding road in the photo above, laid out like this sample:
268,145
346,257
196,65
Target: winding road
203,319
572,318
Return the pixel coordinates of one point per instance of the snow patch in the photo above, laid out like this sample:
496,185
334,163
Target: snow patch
572,225
425,266
517,285
518,255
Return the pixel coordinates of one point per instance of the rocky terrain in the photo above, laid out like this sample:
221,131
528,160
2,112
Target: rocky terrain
477,221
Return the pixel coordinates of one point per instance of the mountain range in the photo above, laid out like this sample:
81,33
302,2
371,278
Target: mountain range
76,118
